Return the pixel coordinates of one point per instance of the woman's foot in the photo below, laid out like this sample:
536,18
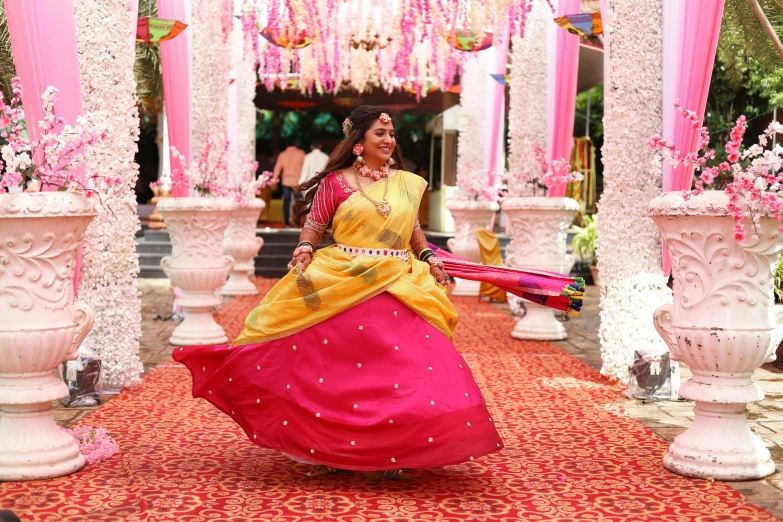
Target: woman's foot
319,470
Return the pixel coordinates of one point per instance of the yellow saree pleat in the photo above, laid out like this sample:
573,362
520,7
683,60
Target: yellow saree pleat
335,281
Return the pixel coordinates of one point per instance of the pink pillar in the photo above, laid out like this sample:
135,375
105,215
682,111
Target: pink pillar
563,67
176,60
43,40
690,39
493,153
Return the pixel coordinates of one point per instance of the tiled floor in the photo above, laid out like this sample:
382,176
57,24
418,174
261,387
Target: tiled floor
666,418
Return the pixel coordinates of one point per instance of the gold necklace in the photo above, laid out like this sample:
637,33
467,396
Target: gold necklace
383,207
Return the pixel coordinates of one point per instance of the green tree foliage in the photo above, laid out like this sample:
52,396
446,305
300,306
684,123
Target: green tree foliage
7,68
746,51
147,70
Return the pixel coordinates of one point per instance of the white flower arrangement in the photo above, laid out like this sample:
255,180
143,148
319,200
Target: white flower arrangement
246,92
211,73
628,244
527,121
110,263
472,113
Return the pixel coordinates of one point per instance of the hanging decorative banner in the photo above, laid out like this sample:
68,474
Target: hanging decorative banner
583,24
154,30
469,40
300,41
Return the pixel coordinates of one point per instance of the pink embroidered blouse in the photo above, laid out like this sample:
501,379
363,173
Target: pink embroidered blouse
334,189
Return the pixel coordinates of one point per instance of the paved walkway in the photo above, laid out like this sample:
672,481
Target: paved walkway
665,418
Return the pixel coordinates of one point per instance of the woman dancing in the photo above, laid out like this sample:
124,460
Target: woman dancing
348,361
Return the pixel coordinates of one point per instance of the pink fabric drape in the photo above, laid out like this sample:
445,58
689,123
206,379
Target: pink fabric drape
176,60
496,104
690,39
43,41
562,70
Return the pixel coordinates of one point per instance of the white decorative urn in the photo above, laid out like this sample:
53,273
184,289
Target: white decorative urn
241,243
538,231
197,264
723,325
40,327
468,216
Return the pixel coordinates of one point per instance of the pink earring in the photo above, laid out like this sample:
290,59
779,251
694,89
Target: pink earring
358,149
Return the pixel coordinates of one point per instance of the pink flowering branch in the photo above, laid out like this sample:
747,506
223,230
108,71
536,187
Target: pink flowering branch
50,160
750,176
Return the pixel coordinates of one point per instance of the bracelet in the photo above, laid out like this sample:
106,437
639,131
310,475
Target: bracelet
424,253
302,243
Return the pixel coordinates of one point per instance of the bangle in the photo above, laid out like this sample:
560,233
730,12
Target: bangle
302,243
424,253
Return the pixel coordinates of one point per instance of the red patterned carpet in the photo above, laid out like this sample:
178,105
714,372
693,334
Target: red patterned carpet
571,454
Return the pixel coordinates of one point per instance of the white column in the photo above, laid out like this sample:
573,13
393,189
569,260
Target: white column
629,245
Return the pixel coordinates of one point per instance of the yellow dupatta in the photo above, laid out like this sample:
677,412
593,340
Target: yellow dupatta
335,281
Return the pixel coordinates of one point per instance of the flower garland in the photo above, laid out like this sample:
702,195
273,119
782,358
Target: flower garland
110,263
628,244
527,121
472,113
327,45
211,71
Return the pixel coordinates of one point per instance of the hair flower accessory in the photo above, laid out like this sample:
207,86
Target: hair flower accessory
385,118
347,126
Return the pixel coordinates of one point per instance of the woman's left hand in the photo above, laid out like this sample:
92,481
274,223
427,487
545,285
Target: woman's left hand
440,275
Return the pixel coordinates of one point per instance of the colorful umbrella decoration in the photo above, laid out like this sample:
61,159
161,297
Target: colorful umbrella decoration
301,40
469,40
154,30
583,24
502,79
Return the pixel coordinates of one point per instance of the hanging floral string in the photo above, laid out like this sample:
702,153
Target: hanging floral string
371,44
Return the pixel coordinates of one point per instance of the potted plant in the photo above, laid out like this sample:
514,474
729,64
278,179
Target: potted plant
240,240
474,207
196,224
538,226
583,244
41,324
725,239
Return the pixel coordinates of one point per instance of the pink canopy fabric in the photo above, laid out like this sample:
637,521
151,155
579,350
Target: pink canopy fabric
563,67
558,291
690,39
43,41
176,57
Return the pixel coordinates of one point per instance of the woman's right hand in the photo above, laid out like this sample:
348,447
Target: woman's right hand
303,260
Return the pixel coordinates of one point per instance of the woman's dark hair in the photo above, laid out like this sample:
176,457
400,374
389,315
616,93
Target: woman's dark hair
362,118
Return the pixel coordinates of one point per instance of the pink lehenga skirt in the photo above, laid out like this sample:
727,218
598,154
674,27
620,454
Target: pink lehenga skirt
373,388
